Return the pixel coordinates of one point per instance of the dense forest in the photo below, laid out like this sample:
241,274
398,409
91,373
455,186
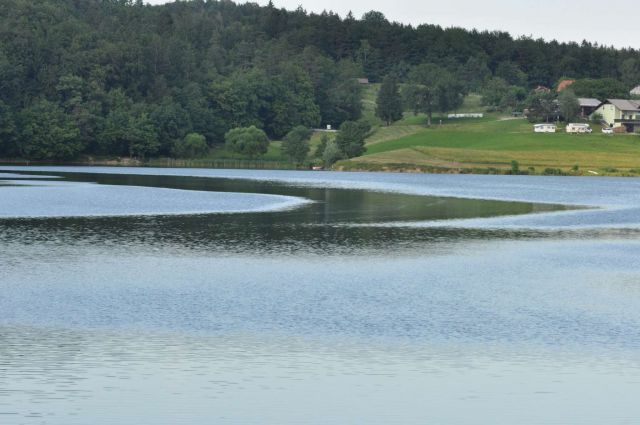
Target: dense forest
118,77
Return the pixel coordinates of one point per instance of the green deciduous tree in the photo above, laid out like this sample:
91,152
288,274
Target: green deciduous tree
193,145
293,103
128,129
172,123
568,105
497,93
249,141
630,72
513,99
420,94
275,102
241,98
494,90
542,107
511,73
331,153
337,92
350,138
82,100
432,88
389,102
46,132
7,131
449,92
601,88
143,138
474,73
202,116
296,144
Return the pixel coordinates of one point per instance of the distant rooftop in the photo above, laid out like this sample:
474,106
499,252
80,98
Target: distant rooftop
589,102
625,105
564,84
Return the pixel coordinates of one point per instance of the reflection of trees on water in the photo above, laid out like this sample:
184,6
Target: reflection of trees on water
323,226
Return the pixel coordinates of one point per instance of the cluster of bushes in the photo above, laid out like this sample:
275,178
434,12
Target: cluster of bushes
252,142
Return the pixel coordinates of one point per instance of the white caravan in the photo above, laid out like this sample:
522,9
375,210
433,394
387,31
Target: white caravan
578,128
544,128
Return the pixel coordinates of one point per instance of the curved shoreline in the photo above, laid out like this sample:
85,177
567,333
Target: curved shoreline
594,203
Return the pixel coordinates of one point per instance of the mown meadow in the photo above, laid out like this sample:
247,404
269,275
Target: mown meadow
494,144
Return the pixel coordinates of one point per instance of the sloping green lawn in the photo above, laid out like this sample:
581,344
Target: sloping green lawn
511,142
495,142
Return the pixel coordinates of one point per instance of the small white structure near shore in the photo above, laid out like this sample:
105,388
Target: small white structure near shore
471,115
544,128
574,128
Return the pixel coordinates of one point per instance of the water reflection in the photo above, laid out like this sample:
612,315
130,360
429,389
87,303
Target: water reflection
324,226
331,204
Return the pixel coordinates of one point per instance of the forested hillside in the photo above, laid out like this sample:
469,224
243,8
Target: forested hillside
117,77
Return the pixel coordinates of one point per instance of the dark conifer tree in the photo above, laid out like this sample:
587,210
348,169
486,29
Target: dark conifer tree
389,101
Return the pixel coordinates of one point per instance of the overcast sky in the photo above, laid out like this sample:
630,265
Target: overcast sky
609,23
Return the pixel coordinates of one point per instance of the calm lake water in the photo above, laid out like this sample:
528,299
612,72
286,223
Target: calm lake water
184,296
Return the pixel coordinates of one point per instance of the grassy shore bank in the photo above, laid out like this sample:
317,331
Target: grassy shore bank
492,144
495,144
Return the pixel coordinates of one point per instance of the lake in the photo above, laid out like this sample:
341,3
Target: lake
193,296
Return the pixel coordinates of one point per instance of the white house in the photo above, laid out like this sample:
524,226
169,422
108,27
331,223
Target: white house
635,91
544,128
578,128
621,113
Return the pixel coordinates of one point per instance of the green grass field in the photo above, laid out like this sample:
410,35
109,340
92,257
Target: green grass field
490,144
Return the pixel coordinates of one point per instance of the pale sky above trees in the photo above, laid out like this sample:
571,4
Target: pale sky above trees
564,20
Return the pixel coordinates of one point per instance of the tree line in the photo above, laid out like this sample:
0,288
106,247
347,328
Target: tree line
121,78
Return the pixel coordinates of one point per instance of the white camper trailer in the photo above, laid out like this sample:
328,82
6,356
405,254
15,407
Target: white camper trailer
578,128
544,128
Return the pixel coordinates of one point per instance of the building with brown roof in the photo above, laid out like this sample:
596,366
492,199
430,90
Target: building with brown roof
564,84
